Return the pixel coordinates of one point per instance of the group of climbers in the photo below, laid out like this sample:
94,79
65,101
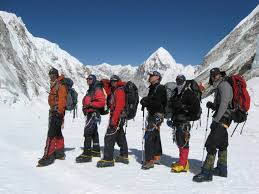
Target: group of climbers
184,103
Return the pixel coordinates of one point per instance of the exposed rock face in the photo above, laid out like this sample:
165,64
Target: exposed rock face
236,52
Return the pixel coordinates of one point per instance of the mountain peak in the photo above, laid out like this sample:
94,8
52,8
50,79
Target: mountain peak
162,55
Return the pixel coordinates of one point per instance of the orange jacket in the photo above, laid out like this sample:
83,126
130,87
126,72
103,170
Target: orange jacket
58,95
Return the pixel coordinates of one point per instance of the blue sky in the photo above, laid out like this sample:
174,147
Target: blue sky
128,31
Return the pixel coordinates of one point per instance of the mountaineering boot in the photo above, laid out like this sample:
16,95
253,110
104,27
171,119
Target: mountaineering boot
84,157
221,169
182,165
177,167
157,160
96,153
49,153
206,173
45,161
204,176
60,155
122,159
105,163
148,164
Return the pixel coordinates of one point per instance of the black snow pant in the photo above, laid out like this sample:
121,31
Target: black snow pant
112,136
218,137
55,124
91,133
153,146
182,134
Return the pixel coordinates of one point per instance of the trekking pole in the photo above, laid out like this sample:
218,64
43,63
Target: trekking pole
208,114
143,130
242,128
126,126
234,130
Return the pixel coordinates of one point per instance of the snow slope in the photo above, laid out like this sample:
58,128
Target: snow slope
22,137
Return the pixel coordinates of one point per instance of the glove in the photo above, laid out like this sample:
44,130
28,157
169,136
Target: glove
215,125
144,101
210,105
169,123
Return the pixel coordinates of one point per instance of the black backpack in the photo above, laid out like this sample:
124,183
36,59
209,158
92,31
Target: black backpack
170,89
131,100
196,111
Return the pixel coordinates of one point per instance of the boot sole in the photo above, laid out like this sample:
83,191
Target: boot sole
104,166
144,168
174,171
202,181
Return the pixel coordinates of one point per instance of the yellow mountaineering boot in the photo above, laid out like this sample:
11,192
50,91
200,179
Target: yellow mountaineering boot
177,168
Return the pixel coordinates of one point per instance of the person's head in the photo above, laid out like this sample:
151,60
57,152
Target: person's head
91,79
180,80
215,74
53,74
114,79
154,77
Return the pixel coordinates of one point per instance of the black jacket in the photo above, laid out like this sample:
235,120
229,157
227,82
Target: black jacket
156,99
184,104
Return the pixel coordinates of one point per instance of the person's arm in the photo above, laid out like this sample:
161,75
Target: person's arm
226,95
119,106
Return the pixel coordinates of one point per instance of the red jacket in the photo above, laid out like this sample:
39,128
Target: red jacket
94,100
117,103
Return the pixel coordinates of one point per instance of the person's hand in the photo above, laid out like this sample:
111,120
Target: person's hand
210,105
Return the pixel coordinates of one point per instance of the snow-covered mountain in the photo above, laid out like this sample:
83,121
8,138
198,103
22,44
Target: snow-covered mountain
235,53
161,61
25,61
105,70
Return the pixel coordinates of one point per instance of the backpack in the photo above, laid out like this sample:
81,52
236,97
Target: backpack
241,99
71,94
105,85
195,114
131,100
170,86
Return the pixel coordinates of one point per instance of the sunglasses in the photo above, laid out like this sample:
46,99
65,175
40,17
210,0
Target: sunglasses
89,78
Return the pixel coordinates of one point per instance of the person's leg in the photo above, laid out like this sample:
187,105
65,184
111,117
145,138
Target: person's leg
207,168
109,142
222,139
182,139
89,129
122,143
